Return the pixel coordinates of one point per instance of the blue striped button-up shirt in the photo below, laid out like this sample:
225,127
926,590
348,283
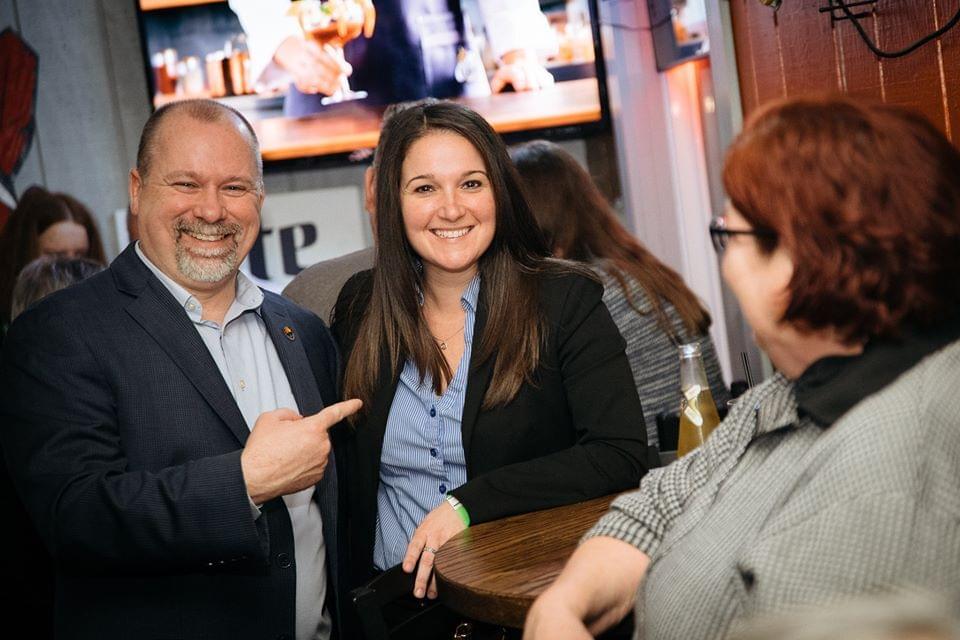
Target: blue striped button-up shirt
422,457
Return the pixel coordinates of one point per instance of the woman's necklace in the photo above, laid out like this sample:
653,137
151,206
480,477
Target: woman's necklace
443,343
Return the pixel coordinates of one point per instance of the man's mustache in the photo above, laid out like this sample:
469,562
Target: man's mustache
208,228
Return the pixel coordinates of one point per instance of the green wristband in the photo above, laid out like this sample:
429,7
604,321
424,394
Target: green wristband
460,509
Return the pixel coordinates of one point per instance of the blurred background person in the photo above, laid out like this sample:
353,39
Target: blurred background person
840,474
495,380
418,40
30,569
44,223
653,308
47,274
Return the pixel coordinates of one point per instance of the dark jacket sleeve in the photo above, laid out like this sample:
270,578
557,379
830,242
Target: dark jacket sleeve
65,450
609,440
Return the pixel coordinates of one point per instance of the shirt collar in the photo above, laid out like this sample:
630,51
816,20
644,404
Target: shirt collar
468,299
831,386
777,410
247,296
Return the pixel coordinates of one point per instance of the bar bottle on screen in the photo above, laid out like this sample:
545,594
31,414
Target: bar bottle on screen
698,411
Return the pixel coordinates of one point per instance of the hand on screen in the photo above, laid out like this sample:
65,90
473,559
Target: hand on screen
521,70
313,68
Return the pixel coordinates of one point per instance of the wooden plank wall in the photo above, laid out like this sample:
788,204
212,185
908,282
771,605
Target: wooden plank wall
798,50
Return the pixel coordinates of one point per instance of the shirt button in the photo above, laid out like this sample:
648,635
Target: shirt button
433,452
433,412
443,488
191,306
243,385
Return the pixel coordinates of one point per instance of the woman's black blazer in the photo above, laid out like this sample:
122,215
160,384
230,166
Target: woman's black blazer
575,433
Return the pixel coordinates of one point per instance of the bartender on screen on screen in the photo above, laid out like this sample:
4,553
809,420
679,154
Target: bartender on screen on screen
412,53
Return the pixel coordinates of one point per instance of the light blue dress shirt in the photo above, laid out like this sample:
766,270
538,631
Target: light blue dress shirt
248,361
422,457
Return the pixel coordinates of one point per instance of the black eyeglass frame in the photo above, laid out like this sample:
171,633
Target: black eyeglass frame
720,235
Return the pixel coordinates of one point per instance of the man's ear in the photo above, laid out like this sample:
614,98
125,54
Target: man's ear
134,188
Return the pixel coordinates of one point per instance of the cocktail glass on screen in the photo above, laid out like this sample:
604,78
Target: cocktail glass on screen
332,24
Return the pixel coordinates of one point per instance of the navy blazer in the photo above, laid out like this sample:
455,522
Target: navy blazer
124,443
575,433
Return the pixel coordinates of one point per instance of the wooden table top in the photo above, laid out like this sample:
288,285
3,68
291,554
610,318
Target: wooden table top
493,572
349,126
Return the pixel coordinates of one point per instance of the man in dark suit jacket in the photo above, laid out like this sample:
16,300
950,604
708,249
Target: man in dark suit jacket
128,403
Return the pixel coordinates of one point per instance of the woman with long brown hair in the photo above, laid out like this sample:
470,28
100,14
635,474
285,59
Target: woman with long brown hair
44,223
493,378
653,308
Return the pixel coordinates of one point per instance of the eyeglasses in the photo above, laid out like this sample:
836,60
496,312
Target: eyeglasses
720,235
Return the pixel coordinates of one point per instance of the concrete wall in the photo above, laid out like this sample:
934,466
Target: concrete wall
91,101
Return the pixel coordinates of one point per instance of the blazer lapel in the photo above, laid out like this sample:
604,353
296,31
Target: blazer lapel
287,340
478,379
156,310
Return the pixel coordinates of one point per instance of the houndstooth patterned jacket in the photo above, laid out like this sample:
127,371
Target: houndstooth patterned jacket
775,512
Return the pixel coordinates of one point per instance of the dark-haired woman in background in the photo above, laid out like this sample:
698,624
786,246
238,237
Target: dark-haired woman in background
649,302
44,223
839,475
493,378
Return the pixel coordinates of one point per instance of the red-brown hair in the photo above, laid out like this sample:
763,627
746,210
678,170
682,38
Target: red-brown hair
866,200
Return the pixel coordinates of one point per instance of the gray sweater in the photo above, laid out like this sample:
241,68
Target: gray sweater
316,288
653,355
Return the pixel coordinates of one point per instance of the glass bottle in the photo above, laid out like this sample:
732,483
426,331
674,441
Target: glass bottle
698,411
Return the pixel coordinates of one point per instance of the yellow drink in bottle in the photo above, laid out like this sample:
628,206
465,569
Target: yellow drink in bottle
698,411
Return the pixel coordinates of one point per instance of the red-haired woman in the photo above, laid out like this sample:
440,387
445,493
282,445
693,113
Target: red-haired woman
841,473
649,302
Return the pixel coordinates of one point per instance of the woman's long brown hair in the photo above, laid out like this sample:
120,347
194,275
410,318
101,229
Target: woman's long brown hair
579,224
509,269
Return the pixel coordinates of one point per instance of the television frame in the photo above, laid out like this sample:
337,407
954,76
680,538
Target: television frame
358,156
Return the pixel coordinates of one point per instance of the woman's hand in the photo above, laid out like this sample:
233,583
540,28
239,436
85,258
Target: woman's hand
437,527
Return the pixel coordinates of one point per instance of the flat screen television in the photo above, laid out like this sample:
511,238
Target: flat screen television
199,48
679,29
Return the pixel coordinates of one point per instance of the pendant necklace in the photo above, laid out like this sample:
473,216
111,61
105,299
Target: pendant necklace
443,343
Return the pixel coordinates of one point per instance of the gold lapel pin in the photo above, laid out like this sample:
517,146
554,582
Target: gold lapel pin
288,331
